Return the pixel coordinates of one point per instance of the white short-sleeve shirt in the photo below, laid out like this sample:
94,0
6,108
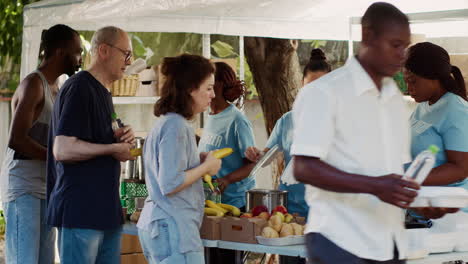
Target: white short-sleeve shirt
344,120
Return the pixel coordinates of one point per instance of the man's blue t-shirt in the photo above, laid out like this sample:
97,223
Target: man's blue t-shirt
83,194
230,129
444,124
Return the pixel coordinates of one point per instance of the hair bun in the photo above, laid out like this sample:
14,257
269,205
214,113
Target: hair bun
317,54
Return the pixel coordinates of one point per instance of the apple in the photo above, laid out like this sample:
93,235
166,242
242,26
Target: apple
258,209
280,209
288,218
246,215
281,215
264,215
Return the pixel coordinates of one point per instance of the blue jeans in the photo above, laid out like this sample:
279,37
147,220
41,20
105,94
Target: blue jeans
164,249
89,246
28,237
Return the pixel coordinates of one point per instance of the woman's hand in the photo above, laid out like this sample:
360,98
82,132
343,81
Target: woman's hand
212,164
253,154
222,184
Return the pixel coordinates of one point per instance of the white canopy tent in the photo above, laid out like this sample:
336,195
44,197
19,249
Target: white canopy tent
295,19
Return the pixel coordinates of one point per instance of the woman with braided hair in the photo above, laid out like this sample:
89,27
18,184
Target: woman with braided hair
228,127
281,135
441,117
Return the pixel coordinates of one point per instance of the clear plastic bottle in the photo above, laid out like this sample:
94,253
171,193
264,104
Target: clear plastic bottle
422,165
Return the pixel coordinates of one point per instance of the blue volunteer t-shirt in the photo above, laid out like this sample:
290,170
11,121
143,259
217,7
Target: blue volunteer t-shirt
444,124
230,129
282,136
83,194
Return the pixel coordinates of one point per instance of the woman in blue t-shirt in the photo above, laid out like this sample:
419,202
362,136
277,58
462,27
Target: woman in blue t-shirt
441,116
169,224
227,127
282,135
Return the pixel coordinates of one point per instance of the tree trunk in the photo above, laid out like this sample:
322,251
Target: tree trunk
276,73
277,76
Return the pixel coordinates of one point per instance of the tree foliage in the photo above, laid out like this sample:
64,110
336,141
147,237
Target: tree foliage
11,29
11,33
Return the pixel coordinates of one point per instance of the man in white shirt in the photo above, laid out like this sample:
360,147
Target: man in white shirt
351,139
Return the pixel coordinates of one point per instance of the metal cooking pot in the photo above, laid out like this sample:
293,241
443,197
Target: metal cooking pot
268,198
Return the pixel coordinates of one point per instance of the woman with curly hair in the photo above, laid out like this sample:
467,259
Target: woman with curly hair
227,127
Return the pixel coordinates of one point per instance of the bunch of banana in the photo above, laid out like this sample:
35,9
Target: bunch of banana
219,154
213,205
234,210
213,212
221,208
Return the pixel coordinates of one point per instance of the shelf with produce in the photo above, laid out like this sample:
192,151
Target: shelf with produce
123,100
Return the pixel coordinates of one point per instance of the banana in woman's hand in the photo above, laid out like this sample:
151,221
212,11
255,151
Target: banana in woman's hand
219,154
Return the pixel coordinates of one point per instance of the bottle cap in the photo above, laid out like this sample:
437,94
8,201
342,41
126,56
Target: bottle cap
433,148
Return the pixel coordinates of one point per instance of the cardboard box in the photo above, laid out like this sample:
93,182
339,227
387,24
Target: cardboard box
211,227
242,230
130,244
135,258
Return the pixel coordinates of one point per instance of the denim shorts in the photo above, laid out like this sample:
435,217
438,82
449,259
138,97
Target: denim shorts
164,248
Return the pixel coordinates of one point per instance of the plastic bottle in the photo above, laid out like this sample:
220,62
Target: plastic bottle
116,124
422,165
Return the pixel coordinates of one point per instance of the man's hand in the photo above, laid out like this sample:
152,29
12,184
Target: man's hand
122,152
394,190
125,134
434,212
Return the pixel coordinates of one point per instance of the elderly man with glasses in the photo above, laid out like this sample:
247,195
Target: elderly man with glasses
84,156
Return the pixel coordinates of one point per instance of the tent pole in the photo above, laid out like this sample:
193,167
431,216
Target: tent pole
350,40
241,58
206,49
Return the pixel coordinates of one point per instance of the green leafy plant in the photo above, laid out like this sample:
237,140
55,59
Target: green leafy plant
400,80
11,31
315,44
2,224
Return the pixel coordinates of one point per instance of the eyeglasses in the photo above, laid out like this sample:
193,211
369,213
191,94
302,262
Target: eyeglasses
127,53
